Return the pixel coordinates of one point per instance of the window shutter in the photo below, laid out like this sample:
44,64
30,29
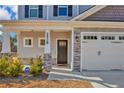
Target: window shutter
26,11
40,8
55,10
70,10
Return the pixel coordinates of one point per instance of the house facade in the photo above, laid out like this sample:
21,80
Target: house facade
79,37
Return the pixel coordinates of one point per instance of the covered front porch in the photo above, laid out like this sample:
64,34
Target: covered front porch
53,44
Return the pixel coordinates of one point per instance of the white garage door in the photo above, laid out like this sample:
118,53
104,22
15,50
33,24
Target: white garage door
102,51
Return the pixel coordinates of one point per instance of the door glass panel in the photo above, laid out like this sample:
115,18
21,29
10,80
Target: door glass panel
62,44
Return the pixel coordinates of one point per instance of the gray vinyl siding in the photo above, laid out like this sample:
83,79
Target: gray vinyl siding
109,13
77,9
83,8
21,15
51,17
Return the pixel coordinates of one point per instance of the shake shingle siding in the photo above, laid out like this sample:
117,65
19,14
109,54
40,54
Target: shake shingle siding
109,13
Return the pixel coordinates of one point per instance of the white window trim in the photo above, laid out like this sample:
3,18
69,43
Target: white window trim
37,12
27,45
39,42
59,6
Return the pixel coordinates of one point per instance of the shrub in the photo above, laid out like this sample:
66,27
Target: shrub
10,66
4,63
31,61
36,66
15,68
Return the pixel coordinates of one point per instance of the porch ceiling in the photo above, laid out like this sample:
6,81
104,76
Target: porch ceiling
28,25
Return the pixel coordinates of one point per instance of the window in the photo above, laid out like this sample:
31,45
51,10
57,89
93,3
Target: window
63,10
121,37
28,42
90,37
33,11
62,44
107,37
41,42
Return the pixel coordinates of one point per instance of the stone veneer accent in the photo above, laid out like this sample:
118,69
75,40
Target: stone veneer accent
77,37
47,61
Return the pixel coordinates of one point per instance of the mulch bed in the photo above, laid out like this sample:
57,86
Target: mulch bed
41,81
46,84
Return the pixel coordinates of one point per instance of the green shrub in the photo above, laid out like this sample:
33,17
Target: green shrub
36,66
4,63
31,61
15,68
10,66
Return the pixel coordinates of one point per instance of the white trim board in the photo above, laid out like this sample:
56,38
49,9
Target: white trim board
88,12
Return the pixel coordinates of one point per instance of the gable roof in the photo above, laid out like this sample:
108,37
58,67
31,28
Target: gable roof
88,12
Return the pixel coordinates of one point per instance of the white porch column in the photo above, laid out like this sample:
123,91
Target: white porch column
47,42
47,51
6,43
72,42
17,34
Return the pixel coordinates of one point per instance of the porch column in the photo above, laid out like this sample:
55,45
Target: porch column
72,42
6,42
17,34
47,42
47,51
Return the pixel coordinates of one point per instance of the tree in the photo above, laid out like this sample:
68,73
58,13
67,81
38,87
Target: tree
13,42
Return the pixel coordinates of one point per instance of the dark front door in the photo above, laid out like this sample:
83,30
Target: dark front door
62,51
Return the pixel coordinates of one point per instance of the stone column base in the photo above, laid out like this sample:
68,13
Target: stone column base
47,62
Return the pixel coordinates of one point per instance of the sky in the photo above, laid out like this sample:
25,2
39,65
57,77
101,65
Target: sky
8,13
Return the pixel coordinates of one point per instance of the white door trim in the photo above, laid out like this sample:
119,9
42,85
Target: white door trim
67,49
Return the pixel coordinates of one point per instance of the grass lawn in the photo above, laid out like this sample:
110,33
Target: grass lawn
46,84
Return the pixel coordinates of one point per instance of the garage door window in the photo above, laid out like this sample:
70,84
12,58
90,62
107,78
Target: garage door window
121,37
107,38
90,37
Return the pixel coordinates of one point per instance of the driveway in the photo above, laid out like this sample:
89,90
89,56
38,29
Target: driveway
110,79
99,79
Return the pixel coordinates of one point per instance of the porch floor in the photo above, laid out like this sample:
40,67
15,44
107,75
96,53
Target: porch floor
64,67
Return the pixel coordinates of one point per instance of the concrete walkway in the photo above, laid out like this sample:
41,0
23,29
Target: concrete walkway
74,75
64,75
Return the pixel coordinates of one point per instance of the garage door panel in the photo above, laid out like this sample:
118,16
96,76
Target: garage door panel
102,54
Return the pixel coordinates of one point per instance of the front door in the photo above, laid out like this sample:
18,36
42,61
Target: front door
62,51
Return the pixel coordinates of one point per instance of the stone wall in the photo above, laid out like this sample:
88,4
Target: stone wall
47,61
77,39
